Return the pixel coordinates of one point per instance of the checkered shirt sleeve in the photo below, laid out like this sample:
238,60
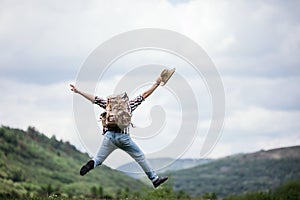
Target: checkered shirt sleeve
134,103
100,102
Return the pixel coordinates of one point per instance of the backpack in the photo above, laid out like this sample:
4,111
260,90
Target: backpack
118,112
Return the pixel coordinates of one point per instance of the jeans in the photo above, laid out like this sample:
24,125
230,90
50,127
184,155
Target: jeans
113,140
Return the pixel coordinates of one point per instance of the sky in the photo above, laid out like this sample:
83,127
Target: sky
254,45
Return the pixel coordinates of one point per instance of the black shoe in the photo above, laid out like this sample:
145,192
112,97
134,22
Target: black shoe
159,181
87,167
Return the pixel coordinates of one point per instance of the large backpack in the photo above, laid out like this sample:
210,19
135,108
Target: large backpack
118,111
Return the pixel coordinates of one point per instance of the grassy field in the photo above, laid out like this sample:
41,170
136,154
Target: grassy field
288,191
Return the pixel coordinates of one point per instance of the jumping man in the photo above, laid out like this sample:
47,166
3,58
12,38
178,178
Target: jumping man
118,136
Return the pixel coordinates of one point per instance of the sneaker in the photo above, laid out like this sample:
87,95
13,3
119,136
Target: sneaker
159,181
87,167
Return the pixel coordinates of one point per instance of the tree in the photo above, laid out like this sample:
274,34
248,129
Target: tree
18,176
210,196
100,192
94,191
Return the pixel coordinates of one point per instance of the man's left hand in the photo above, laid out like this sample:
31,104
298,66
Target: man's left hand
158,80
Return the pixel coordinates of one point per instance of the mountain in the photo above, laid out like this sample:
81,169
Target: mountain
32,164
162,164
241,173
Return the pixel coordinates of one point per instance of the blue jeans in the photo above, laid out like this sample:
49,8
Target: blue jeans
112,141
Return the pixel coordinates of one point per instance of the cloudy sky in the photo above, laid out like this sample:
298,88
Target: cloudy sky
255,46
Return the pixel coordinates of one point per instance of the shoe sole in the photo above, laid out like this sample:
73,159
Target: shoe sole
161,182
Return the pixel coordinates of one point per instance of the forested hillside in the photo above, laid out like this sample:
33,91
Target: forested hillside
237,174
32,164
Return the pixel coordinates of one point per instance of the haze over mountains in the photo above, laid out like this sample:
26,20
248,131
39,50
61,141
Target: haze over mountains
132,169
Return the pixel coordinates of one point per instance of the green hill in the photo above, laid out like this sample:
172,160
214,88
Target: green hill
242,173
32,164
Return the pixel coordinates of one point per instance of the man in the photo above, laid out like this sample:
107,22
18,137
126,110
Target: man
119,138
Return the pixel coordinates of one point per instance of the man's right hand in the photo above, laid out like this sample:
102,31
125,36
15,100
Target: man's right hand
73,88
85,95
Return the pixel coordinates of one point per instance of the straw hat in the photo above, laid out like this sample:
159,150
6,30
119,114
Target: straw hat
166,75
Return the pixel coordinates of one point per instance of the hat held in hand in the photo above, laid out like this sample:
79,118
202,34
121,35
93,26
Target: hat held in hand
166,75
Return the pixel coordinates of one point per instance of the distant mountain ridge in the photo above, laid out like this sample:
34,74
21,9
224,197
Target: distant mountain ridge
32,164
241,173
162,164
279,153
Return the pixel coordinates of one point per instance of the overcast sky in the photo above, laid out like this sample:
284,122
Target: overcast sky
255,46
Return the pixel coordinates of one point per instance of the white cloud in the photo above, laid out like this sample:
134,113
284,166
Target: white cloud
48,108
275,94
259,121
255,45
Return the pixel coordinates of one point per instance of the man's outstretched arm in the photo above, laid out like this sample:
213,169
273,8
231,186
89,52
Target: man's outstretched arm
151,90
85,95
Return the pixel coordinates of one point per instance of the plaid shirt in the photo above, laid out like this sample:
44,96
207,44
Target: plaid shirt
133,104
